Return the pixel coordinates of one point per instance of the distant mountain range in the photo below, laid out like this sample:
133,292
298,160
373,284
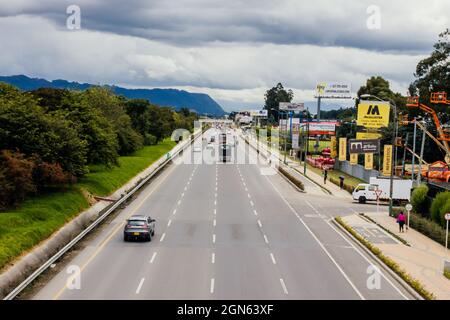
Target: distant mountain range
199,102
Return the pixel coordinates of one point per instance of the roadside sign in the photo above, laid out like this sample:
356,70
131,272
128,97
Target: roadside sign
447,216
364,146
378,193
373,114
408,207
288,106
333,90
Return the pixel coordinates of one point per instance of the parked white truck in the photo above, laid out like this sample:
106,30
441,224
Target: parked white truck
367,191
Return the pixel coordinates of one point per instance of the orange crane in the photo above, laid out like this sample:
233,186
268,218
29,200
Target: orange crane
439,98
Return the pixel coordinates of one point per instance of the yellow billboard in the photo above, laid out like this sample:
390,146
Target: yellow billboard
368,161
367,135
373,114
387,160
353,158
342,149
333,147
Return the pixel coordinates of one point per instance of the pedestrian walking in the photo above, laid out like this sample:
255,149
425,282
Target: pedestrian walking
341,182
325,175
401,219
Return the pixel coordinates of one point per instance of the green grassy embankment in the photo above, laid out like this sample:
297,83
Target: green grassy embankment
39,217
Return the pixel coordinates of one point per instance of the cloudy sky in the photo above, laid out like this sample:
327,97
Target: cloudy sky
233,50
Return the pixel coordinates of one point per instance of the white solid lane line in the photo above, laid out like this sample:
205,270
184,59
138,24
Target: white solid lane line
153,257
211,290
273,258
162,237
140,286
283,285
318,242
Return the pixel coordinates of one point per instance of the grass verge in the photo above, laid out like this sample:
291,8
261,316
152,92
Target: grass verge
414,283
291,178
40,216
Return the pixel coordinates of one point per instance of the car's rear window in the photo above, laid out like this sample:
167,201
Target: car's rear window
136,222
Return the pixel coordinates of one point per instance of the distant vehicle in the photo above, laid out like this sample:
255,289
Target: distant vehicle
213,139
139,228
366,191
224,153
197,149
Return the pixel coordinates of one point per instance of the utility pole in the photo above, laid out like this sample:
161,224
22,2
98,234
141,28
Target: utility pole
414,149
307,142
419,174
404,154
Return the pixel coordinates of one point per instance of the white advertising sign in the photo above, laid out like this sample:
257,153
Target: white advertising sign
334,90
289,106
258,113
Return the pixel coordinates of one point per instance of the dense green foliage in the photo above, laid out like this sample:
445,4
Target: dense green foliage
38,217
419,199
439,207
50,137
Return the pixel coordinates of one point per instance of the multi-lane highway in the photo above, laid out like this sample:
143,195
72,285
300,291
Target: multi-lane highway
226,231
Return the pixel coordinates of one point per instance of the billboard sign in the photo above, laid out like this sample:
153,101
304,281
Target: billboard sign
367,135
333,90
342,149
364,146
289,106
387,161
295,139
373,114
353,159
321,128
368,161
258,113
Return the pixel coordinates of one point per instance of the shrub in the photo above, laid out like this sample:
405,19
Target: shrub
291,178
17,179
419,199
425,226
149,139
438,207
47,175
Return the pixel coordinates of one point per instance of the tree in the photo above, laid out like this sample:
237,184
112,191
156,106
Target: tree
432,73
25,126
112,107
273,97
16,178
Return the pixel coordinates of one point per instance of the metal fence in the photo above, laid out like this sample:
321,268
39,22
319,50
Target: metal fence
356,170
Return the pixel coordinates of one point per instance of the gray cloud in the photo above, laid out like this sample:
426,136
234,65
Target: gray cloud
233,50
406,25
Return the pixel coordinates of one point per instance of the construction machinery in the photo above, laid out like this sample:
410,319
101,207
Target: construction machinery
443,138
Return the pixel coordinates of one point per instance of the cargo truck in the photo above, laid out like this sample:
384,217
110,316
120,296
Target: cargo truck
368,191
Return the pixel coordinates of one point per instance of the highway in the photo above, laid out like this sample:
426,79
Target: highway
226,231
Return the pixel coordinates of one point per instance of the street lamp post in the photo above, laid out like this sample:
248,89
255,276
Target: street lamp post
391,182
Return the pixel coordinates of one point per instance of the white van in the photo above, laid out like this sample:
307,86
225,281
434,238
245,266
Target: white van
366,191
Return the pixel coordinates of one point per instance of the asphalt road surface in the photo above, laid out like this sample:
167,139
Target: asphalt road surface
226,231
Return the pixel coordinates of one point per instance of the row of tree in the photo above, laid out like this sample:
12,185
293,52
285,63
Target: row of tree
49,137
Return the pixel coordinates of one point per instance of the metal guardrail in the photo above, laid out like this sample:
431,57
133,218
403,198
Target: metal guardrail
94,224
